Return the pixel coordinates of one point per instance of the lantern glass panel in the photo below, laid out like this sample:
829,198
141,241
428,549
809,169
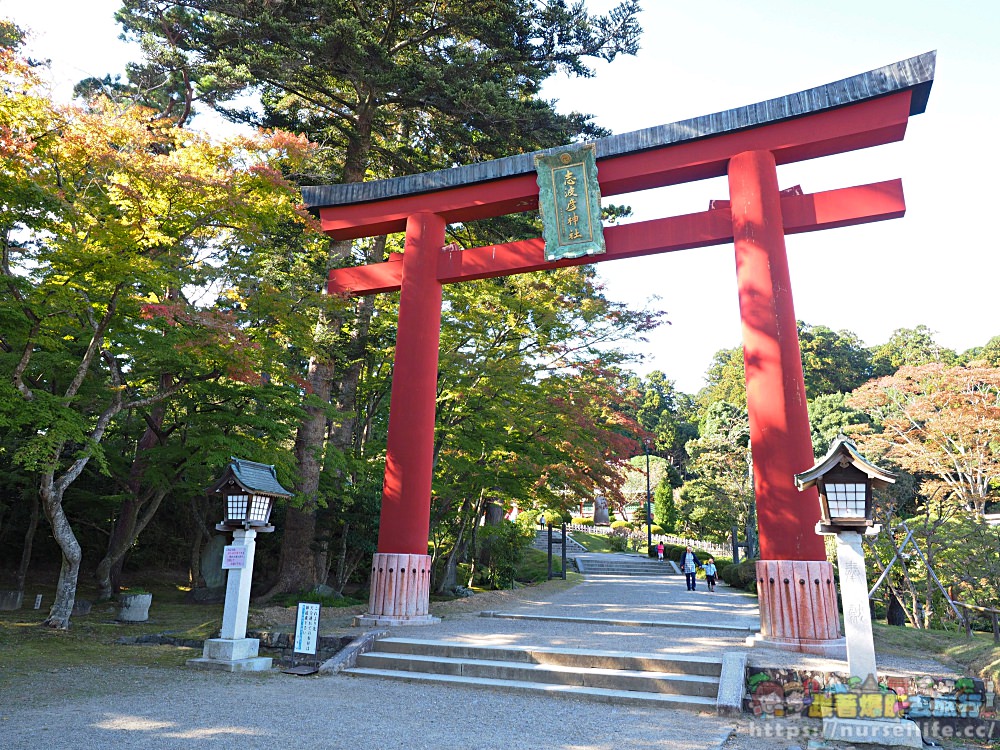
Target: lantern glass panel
236,507
260,510
846,499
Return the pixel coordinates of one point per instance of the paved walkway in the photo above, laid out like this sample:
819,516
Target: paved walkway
643,615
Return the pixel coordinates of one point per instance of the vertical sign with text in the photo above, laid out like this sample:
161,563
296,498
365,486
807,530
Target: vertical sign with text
306,628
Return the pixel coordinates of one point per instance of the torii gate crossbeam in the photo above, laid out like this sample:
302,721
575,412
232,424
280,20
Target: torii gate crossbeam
798,602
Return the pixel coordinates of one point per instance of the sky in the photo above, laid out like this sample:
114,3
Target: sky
938,266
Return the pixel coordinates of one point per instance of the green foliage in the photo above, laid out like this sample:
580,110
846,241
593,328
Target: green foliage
500,548
829,415
832,361
666,413
534,566
741,576
725,380
615,525
618,539
313,597
664,507
909,347
580,521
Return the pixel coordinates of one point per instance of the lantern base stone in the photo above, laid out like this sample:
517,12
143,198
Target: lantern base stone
231,655
798,607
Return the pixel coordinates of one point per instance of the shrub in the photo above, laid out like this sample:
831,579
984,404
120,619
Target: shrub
673,552
656,530
582,521
620,525
499,549
742,576
618,539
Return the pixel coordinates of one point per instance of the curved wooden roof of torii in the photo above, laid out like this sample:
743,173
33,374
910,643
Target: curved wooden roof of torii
865,110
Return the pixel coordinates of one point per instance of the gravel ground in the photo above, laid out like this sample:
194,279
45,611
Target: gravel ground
174,710
98,708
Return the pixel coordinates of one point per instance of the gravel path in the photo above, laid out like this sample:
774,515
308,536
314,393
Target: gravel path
98,708
180,710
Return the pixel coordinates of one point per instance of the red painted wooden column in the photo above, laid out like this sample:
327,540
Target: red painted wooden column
795,607
401,568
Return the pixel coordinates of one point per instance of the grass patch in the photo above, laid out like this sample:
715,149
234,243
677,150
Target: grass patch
92,639
534,566
978,656
593,542
311,597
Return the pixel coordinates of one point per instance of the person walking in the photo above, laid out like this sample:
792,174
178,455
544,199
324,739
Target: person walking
659,551
690,565
710,572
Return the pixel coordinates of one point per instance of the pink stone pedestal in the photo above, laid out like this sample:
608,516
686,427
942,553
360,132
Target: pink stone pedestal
798,607
400,591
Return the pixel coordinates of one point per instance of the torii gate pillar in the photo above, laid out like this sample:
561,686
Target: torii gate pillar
798,599
401,579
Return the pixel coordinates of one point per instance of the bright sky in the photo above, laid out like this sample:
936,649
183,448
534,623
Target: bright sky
938,266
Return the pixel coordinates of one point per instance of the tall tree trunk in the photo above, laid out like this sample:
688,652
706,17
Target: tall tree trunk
69,572
29,541
202,532
129,526
895,614
298,564
126,527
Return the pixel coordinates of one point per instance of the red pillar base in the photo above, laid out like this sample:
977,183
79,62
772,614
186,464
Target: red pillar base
798,607
400,591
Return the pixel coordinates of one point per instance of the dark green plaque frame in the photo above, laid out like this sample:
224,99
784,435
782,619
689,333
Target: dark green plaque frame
569,200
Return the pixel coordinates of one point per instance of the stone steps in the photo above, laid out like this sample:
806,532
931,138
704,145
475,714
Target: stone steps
541,541
608,565
613,677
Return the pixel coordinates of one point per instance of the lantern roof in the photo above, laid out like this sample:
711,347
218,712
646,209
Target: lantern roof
252,477
844,452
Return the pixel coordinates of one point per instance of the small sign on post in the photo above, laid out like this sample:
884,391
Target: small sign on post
234,557
306,628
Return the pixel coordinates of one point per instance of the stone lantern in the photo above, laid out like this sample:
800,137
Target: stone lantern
845,480
248,490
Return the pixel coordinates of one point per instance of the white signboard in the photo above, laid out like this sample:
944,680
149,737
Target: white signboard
234,558
306,628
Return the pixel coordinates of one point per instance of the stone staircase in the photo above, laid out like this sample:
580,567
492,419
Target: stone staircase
622,565
541,541
669,681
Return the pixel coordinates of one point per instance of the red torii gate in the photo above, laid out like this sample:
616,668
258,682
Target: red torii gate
798,600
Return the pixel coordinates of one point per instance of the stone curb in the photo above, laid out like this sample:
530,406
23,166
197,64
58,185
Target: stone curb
732,683
347,657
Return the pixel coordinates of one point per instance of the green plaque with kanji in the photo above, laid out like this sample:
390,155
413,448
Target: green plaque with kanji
569,199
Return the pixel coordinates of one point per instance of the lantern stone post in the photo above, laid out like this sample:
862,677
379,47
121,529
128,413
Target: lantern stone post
845,480
249,489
